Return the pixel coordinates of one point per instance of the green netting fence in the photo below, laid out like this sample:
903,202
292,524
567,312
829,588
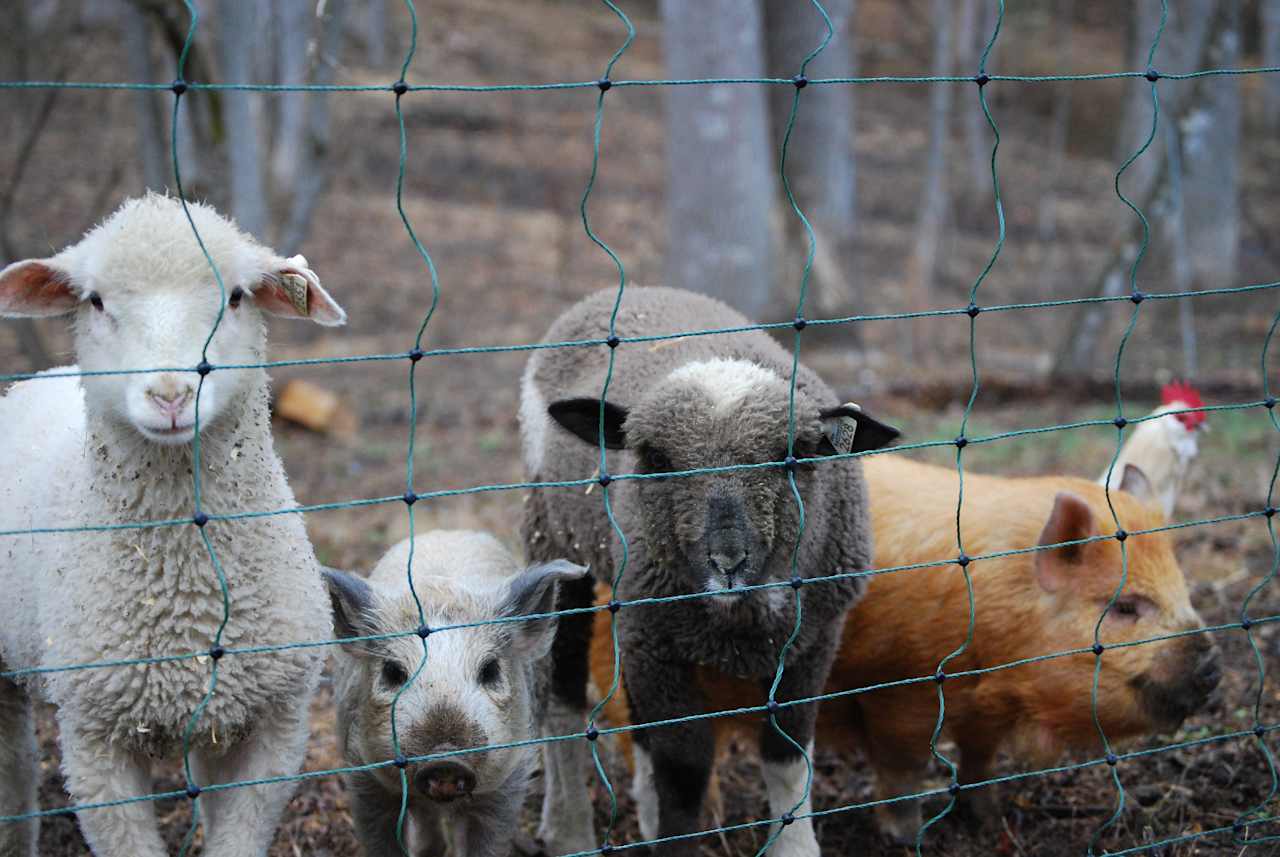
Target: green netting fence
1262,814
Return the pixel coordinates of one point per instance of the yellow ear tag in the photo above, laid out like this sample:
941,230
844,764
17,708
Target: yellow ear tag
295,286
842,430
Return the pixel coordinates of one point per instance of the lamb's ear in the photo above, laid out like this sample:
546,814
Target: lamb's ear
293,290
848,428
1070,520
1136,483
36,287
352,600
534,591
582,418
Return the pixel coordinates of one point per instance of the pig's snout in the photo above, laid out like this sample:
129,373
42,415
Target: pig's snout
1171,702
444,781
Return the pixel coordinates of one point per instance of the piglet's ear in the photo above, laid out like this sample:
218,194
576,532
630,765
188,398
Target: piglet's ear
582,418
36,287
353,602
1071,520
293,290
848,428
534,591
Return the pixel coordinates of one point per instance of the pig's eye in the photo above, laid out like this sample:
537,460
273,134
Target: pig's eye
394,674
490,672
1125,607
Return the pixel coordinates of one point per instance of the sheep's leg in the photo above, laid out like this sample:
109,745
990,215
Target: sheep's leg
567,825
375,813
680,755
786,773
99,772
242,821
18,760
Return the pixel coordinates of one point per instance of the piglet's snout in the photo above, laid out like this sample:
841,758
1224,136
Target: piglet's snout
444,781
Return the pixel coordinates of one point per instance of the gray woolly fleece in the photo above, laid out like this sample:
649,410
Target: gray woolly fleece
744,639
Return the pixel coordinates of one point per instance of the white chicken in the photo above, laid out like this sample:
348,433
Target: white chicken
1159,452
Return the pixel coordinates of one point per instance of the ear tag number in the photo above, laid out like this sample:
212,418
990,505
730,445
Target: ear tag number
295,287
842,430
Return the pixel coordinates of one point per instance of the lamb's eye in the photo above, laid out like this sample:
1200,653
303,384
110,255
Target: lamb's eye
234,300
96,300
656,460
490,672
394,673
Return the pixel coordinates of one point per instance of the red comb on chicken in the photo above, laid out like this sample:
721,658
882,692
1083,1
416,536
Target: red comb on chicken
1183,395
1157,454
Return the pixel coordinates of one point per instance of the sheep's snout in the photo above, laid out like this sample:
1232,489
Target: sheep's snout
163,406
728,548
444,781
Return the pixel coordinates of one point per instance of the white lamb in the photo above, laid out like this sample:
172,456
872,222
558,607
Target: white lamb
114,449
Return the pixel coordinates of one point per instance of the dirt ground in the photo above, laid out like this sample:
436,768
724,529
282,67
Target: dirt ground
492,188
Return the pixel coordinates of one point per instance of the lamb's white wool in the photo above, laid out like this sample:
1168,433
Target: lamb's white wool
785,782
644,793
533,421
107,451
726,381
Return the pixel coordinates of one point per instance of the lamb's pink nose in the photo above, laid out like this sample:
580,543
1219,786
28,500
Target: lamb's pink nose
170,399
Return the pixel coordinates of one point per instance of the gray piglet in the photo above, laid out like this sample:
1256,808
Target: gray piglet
480,687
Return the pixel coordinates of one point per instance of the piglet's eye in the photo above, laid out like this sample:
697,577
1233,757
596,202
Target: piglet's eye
1125,607
234,300
490,672
394,674
96,300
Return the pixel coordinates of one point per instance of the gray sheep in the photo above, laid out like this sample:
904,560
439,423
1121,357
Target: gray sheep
675,405
480,687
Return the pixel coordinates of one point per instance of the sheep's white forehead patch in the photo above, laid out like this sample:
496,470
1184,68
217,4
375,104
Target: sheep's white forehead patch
726,382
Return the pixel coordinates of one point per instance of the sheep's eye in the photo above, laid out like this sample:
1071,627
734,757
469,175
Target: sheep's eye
96,300
490,672
234,300
394,673
656,460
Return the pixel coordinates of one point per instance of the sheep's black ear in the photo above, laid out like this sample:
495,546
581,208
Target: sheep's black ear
582,418
848,428
352,601
534,591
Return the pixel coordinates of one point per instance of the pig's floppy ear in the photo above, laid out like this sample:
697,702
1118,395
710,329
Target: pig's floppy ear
534,591
293,290
848,428
1071,520
352,601
581,417
36,287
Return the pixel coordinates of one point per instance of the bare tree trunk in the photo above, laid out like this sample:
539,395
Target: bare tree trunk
934,196
1211,160
239,20
1269,12
147,116
973,33
312,168
820,159
720,166
292,24
375,23
1058,126
1177,230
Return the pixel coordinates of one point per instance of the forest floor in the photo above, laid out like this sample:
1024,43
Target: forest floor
493,187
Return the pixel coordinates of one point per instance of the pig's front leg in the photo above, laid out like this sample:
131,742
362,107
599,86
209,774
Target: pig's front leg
492,821
374,814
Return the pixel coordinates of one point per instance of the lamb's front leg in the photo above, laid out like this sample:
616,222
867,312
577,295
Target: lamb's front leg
679,756
786,773
99,772
242,821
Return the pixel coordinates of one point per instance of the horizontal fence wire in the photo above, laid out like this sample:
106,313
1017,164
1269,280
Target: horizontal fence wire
1254,819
